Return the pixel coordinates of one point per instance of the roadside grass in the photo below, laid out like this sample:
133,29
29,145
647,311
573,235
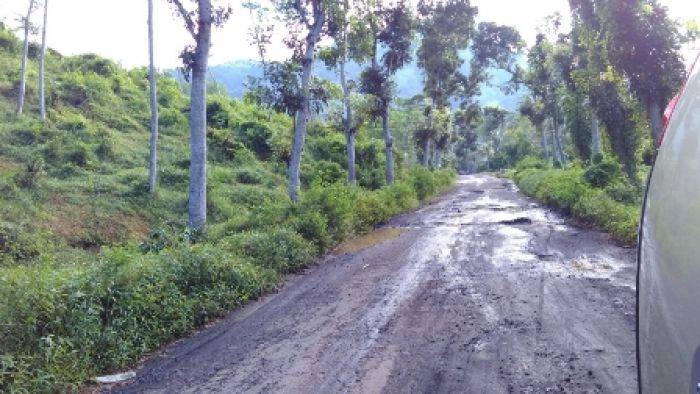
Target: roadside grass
598,196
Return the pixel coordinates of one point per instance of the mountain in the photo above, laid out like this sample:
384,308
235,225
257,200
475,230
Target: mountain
409,80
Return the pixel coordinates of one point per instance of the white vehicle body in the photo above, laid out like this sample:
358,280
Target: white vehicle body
668,302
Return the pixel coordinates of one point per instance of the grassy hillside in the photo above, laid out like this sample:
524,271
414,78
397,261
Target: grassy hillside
94,273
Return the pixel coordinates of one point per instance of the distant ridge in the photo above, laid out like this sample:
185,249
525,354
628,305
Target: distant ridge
409,80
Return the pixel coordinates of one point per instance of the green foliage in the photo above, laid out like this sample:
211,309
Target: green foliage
94,273
281,249
613,209
602,173
256,137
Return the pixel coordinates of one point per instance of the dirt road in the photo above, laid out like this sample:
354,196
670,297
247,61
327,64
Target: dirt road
481,292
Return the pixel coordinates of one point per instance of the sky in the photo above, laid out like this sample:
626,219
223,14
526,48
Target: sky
117,28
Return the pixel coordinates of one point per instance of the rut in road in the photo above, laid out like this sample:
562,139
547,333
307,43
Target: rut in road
482,291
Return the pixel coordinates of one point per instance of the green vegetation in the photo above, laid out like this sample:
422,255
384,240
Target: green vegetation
598,196
94,273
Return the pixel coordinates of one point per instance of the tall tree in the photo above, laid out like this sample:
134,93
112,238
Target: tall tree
42,64
447,27
534,111
643,43
308,21
393,29
465,120
198,22
153,155
495,121
545,83
337,57
26,21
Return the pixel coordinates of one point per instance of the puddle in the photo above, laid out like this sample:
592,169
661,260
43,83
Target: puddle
513,248
370,239
585,266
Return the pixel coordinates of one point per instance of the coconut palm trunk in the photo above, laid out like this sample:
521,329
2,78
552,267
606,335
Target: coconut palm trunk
23,64
197,206
42,64
153,154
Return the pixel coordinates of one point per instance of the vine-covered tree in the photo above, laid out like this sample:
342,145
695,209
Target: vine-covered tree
534,111
544,84
199,20
643,43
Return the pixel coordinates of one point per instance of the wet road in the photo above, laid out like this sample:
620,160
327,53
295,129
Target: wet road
482,291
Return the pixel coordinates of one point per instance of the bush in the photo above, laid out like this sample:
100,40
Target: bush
566,190
66,150
170,117
602,173
67,324
322,173
32,173
624,192
249,176
428,184
335,202
530,162
256,137
280,249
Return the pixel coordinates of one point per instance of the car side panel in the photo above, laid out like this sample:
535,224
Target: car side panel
669,277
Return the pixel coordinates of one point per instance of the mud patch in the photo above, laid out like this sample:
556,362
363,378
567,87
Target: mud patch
368,240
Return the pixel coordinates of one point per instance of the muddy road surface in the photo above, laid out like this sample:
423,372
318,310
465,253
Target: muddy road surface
482,291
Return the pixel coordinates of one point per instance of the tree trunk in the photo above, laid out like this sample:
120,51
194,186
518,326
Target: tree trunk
543,137
42,65
595,138
426,152
301,116
388,145
347,123
654,110
23,66
352,173
153,157
198,121
438,157
557,142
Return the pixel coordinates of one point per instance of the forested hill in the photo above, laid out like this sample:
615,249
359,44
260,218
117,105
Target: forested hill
409,80
95,272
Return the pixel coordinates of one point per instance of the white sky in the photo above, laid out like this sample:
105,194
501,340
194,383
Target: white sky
117,28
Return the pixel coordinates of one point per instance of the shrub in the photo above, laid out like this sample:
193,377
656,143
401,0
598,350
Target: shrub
335,202
428,184
71,122
64,149
566,190
67,324
322,173
32,173
171,117
249,176
602,173
280,249
20,244
530,162
624,192
217,113
256,137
